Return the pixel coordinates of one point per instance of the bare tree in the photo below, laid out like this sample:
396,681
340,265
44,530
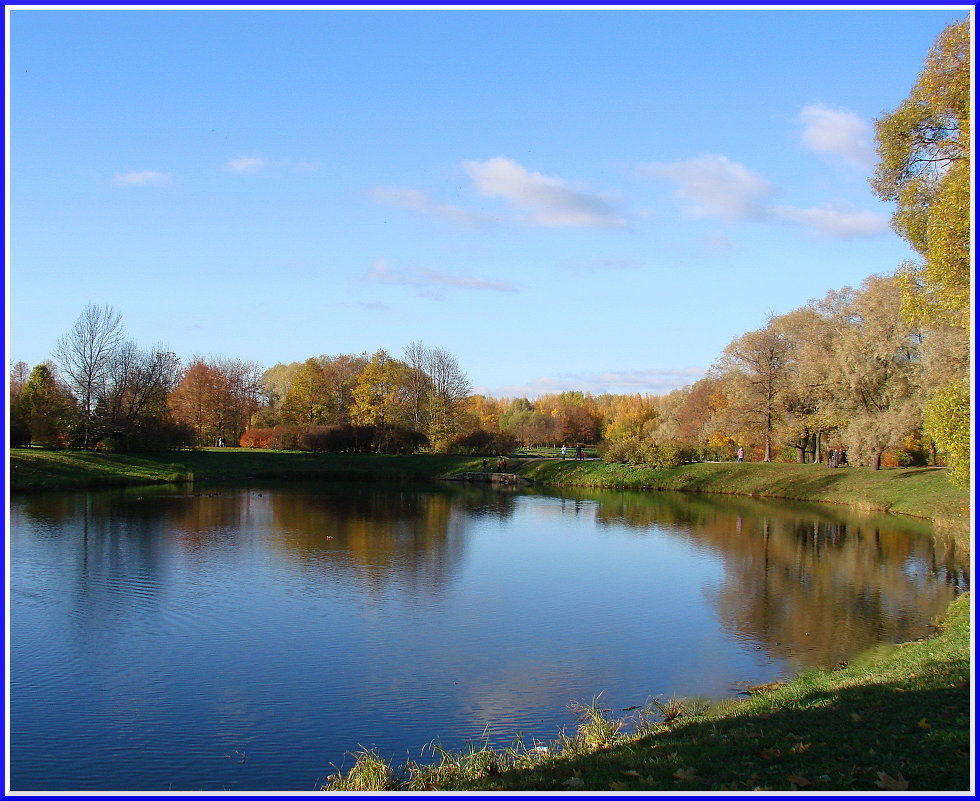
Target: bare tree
416,357
449,389
86,355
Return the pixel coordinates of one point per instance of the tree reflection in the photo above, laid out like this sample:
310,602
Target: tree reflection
807,583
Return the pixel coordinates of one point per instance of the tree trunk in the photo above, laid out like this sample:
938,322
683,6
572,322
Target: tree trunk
876,461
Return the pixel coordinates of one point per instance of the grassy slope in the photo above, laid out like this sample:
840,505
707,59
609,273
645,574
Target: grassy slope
917,491
921,492
33,469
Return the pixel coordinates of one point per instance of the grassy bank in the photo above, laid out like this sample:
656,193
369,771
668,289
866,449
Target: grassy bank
896,719
32,469
917,491
920,492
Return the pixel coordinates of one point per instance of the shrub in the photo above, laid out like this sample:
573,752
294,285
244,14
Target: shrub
482,443
256,438
647,453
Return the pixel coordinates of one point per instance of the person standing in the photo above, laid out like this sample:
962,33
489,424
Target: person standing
564,450
741,454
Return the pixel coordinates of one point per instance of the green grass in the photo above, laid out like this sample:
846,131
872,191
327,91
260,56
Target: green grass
32,470
917,491
897,718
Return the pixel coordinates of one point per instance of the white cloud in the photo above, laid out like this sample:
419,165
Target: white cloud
714,186
839,132
651,381
419,201
245,165
426,278
551,202
835,222
142,178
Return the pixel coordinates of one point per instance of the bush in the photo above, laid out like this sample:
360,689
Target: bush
482,443
145,435
256,438
646,453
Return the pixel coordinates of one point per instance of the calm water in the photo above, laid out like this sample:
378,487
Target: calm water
249,639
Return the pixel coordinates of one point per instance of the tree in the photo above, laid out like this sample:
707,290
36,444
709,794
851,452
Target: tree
448,390
86,354
382,393
46,407
198,400
19,433
309,400
924,166
947,419
875,386
757,367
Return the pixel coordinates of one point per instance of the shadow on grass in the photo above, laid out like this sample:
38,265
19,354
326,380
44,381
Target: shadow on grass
872,737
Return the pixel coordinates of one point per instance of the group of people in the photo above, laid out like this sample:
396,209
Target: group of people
836,457
501,464
579,452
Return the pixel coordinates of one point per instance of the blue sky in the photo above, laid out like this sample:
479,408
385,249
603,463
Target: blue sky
563,199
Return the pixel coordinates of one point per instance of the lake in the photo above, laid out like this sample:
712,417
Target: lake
249,638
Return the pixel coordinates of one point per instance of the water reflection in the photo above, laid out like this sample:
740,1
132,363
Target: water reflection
804,582
297,622
807,582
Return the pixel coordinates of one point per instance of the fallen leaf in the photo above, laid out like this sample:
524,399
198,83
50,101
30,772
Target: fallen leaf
686,774
799,781
633,773
769,753
619,786
575,783
923,724
886,782
856,717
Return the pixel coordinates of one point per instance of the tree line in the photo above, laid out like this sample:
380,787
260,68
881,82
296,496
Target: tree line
882,370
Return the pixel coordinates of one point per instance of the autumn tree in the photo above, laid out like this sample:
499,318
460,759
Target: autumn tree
382,393
924,166
756,366
628,417
875,383
197,400
341,374
309,400
217,399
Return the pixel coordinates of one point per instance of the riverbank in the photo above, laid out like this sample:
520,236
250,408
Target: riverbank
896,719
916,491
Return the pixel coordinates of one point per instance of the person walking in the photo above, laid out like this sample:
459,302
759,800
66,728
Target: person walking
741,454
564,450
